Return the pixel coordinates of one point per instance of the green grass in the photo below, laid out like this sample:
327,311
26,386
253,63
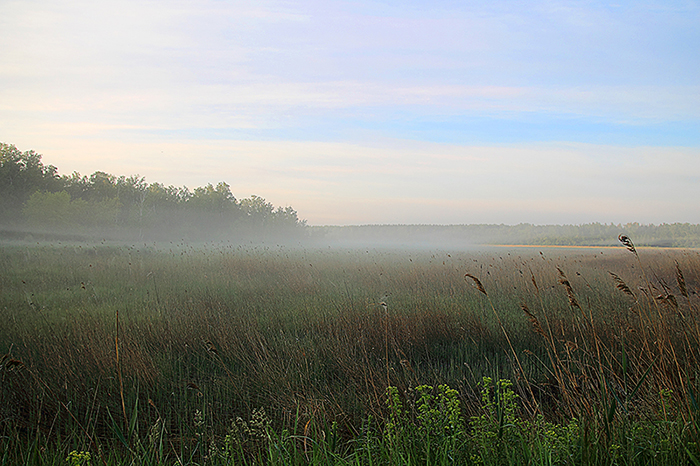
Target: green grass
275,355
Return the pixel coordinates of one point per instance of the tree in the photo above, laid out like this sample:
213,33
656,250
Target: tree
58,212
132,193
257,209
76,185
49,210
103,186
21,174
214,199
33,193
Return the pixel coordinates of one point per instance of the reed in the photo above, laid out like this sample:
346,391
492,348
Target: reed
207,335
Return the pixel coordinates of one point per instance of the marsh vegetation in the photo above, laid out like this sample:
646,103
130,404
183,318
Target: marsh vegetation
222,354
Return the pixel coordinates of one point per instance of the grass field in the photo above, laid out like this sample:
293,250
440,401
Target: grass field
222,354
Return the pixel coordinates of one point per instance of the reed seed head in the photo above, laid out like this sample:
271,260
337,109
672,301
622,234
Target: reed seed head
621,285
476,281
536,326
627,242
681,281
569,290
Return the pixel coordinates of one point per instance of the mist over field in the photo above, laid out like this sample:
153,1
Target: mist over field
223,353
39,203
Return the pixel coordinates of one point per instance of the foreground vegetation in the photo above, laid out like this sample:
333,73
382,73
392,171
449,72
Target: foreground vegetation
218,354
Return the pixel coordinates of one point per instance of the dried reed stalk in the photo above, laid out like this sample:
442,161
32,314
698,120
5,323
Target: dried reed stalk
681,281
477,282
627,242
481,289
621,285
536,326
119,371
569,290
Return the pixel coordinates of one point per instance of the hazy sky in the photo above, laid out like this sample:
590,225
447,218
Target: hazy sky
371,111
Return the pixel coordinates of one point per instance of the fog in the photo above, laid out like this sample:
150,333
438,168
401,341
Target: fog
193,228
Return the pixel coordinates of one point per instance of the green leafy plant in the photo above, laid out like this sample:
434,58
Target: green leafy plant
496,429
79,458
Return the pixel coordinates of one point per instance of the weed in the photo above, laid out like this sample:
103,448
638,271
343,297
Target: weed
601,349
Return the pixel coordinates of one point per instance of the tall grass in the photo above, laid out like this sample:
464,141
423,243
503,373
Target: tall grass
174,353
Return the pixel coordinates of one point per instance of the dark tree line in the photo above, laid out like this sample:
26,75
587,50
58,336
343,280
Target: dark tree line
34,197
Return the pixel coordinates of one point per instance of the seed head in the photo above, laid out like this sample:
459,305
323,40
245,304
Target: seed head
627,242
478,284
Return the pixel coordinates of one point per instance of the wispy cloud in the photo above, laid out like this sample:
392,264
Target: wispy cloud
508,111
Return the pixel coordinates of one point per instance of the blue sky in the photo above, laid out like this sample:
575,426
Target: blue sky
371,112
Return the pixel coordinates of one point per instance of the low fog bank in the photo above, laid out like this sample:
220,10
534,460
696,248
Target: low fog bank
36,203
181,232
459,237
200,227
59,215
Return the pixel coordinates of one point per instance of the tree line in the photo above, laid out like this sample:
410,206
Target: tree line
34,197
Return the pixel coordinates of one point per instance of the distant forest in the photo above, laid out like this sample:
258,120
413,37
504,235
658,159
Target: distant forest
35,200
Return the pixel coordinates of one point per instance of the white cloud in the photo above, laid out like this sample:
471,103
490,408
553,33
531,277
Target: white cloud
178,65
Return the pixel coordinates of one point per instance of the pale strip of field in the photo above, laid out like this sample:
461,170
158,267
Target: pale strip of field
561,246
553,246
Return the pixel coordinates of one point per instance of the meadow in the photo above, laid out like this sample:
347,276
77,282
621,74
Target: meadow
166,353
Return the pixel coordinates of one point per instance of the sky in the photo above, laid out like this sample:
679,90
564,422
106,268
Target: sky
371,112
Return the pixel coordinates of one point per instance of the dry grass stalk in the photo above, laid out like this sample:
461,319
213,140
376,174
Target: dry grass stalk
681,281
668,299
8,363
621,285
536,326
192,386
478,284
119,370
211,348
534,282
627,242
480,287
569,290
